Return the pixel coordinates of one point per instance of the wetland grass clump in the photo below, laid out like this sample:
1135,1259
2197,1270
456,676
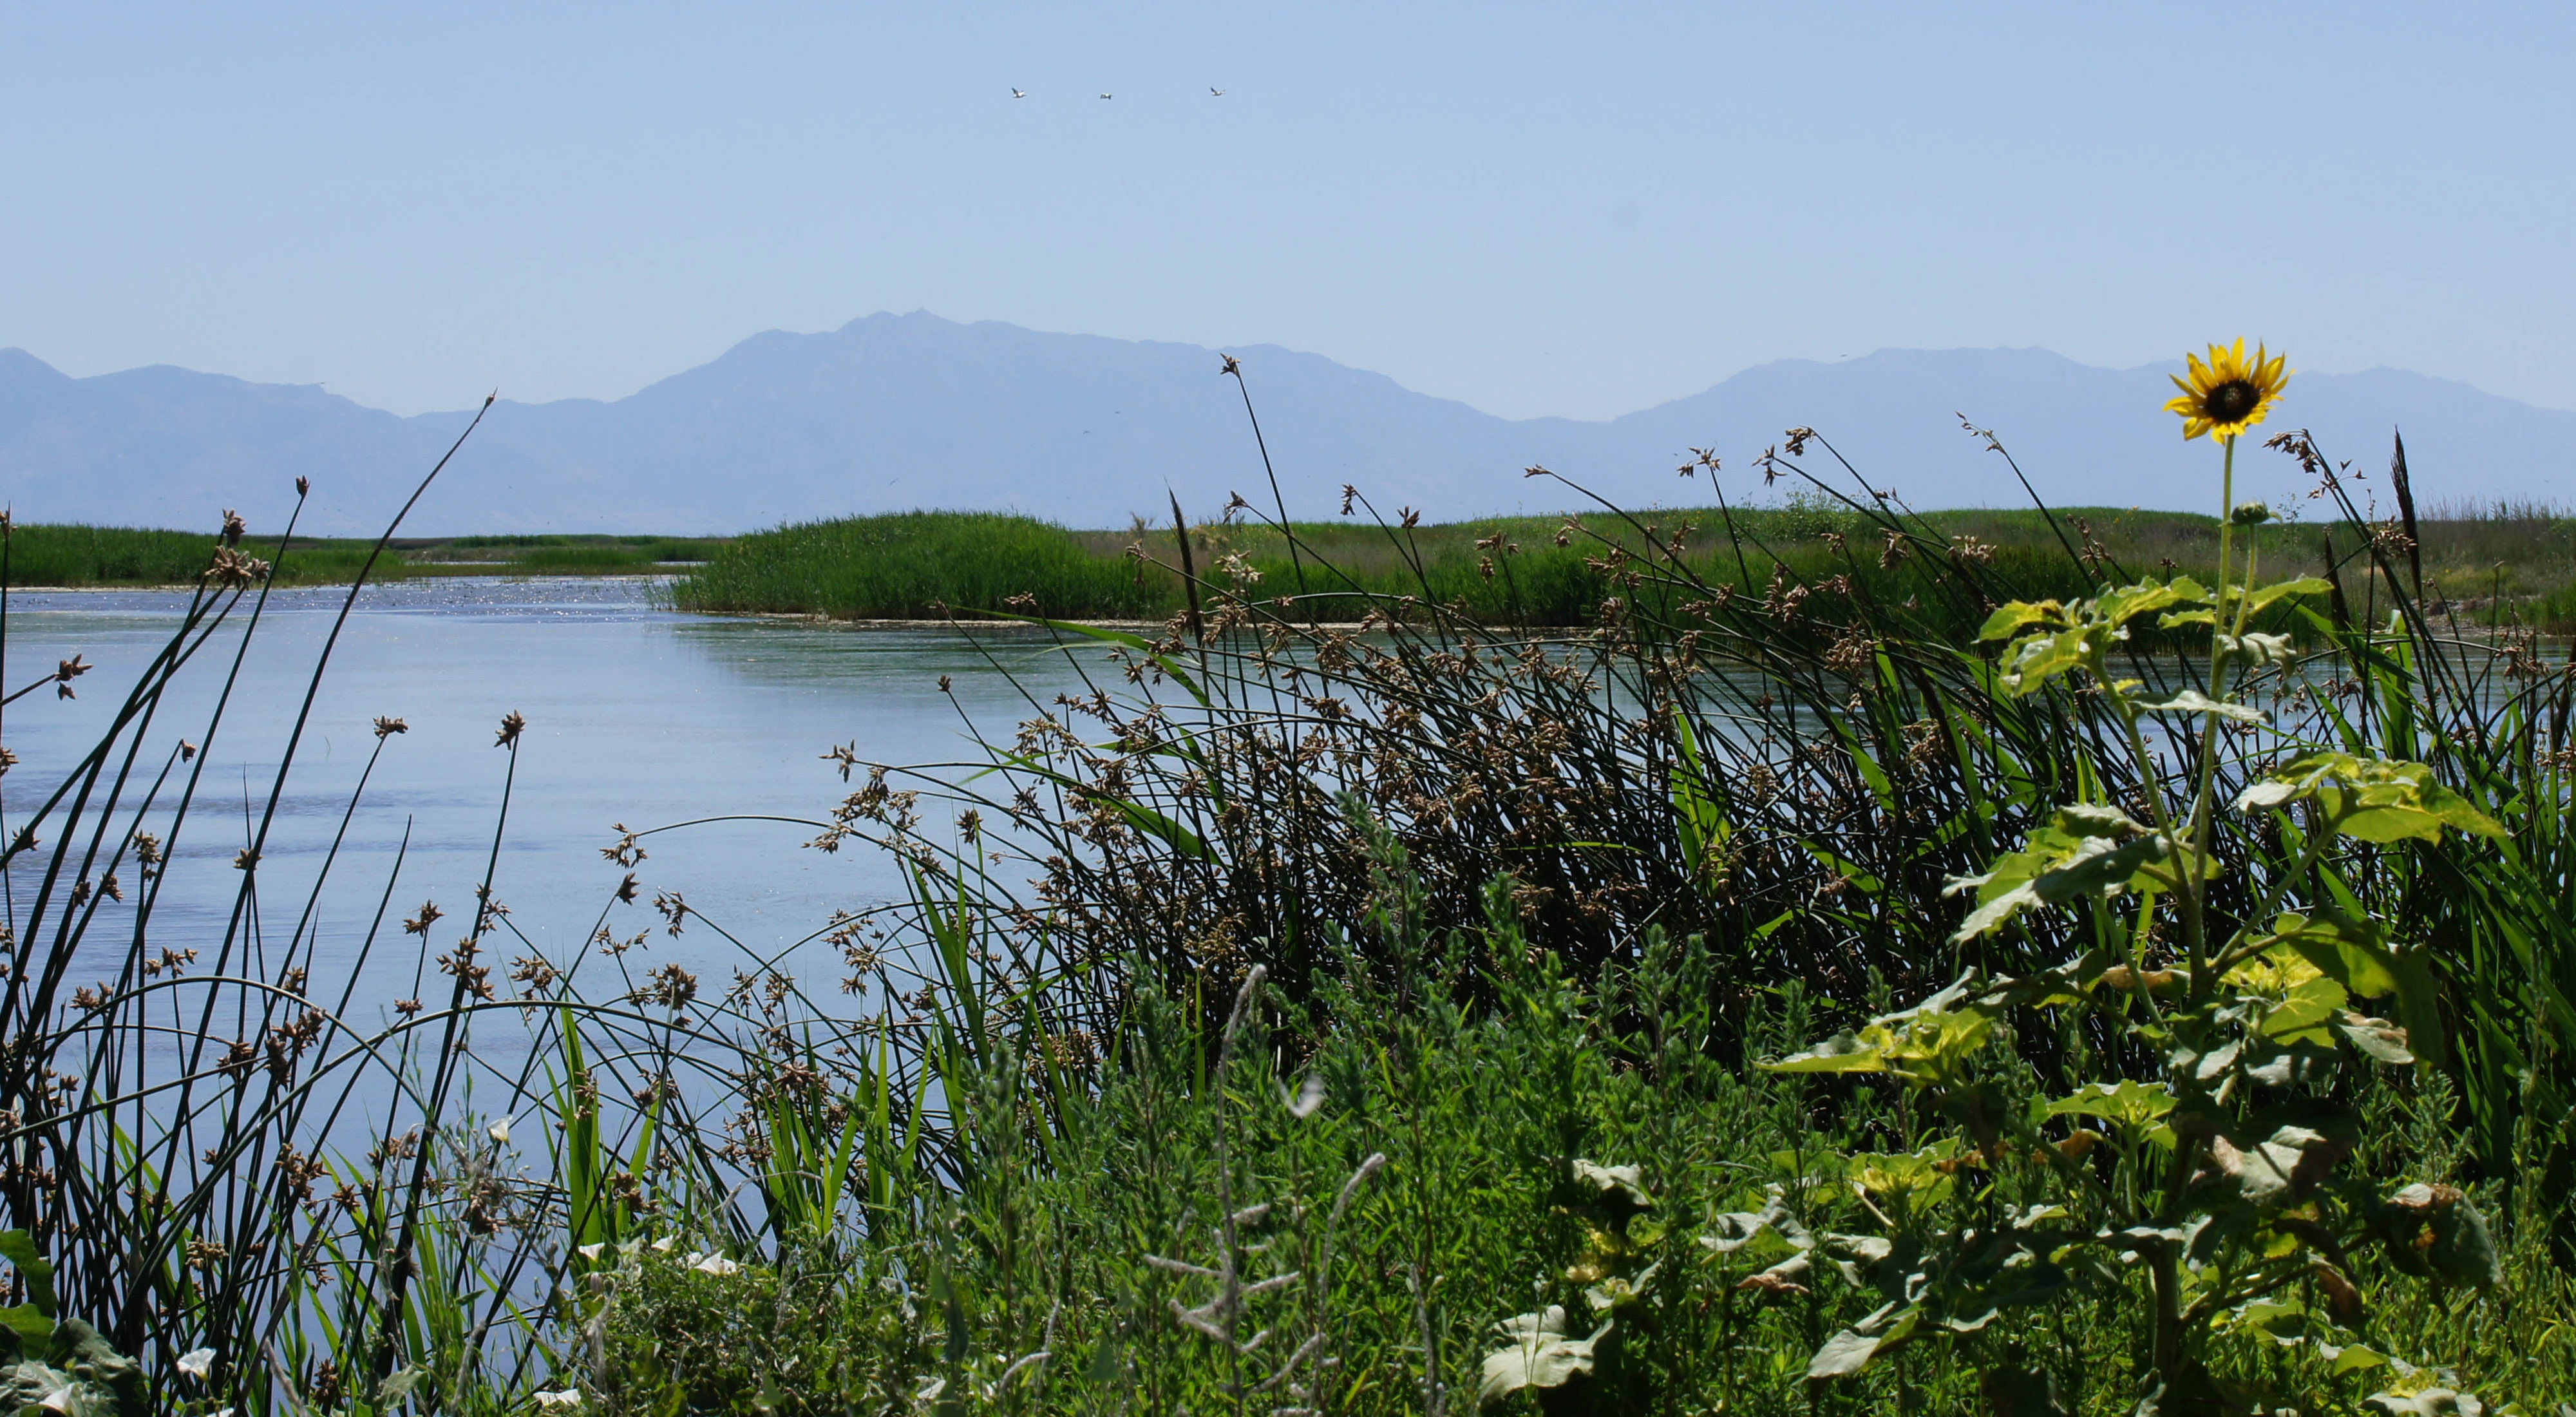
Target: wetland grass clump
919,565
69,554
2483,566
1352,1003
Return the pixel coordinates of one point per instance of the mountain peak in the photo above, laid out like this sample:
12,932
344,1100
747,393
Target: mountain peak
900,410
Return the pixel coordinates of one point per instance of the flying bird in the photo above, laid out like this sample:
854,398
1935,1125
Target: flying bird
1019,93
1215,92
1104,95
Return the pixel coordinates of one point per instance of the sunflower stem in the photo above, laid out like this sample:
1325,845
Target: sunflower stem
2194,920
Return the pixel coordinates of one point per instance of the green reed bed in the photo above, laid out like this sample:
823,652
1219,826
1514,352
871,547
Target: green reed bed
1360,1003
916,565
2491,566
80,555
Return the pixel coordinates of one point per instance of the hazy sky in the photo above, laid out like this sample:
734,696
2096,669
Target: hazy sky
1573,209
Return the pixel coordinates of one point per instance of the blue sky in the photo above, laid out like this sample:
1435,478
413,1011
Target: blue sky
1571,209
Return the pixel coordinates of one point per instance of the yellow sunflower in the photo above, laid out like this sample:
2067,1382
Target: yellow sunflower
2230,393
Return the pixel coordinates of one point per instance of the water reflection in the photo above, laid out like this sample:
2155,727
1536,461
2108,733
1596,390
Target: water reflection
634,713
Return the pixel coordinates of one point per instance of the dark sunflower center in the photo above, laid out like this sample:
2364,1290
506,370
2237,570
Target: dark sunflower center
2232,400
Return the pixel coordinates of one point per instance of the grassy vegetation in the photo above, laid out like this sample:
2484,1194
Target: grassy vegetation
77,555
914,565
1408,1166
1357,1021
2508,564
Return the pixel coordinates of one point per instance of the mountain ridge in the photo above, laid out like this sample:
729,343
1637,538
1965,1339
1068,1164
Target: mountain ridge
889,412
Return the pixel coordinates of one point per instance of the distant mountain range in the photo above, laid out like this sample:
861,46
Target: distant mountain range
899,411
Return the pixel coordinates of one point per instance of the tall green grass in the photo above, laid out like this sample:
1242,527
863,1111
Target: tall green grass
2487,567
1242,1204
81,555
916,565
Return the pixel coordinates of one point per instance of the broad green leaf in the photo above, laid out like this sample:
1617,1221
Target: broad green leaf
1933,1047
1940,1001
2272,1168
2093,819
2261,596
2036,659
2194,701
2306,1010
2256,649
2067,983
2275,1320
1540,1356
1622,1181
2014,616
1733,1230
1617,1291
2132,1104
1841,1356
2350,952
2376,1039
1919,1047
1993,910
2351,1358
33,1329
2372,799
2424,1402
19,1249
1907,1179
1842,1053
2120,606
2434,1231
2053,867
2419,1003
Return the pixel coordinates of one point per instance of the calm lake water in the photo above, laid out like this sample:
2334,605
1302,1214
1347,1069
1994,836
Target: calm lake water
634,714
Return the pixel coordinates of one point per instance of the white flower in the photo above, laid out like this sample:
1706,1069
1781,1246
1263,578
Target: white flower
569,1397
665,1243
500,1131
59,1400
712,1264
594,1251
197,1362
